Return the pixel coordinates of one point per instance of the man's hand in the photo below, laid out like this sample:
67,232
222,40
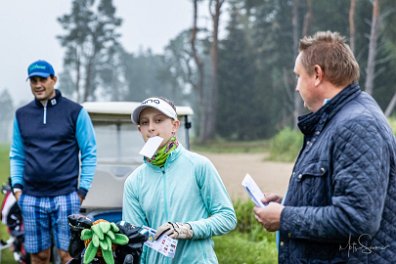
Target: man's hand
81,198
269,216
17,194
174,230
271,197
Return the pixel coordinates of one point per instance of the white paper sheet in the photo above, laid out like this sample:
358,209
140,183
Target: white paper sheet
164,245
253,190
151,146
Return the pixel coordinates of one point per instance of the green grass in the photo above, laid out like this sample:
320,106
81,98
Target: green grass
6,256
249,242
4,162
239,249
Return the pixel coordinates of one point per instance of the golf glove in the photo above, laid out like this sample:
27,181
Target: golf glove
175,230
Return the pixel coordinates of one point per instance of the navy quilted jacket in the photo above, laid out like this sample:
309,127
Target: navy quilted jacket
341,200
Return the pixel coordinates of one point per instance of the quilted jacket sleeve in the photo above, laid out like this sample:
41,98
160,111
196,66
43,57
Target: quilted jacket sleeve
360,169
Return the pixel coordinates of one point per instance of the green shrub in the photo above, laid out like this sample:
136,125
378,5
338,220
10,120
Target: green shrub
247,223
285,145
249,243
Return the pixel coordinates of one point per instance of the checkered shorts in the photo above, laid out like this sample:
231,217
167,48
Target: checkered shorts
43,215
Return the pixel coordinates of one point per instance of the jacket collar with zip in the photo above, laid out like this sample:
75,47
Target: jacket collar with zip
51,102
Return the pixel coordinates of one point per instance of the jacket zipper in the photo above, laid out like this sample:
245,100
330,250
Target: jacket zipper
45,114
165,194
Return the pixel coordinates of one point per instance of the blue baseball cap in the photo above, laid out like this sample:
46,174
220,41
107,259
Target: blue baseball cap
40,68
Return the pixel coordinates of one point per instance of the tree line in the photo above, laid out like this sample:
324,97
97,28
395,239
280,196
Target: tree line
241,85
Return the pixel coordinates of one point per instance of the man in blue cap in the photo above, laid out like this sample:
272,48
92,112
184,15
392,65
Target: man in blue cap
50,135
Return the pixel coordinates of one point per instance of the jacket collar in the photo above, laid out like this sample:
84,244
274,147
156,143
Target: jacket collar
314,122
51,102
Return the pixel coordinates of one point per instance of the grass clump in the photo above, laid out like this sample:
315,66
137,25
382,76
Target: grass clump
285,145
238,249
249,243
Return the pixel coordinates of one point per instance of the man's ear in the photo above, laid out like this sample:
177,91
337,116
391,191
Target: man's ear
140,130
318,71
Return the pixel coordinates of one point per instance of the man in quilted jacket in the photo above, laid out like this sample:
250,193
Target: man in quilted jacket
340,206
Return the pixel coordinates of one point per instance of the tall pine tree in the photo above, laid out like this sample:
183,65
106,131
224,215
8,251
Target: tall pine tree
89,39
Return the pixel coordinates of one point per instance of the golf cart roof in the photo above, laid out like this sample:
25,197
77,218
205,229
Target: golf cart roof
121,111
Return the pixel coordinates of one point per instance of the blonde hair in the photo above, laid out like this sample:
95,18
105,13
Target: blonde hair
330,51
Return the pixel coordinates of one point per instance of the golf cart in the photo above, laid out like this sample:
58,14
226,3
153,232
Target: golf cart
118,146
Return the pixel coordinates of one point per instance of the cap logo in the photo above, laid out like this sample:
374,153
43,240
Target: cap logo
148,101
156,103
36,66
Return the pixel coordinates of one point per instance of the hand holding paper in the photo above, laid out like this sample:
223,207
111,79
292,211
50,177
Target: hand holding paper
253,190
164,245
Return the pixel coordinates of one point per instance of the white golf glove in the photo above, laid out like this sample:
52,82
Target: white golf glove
175,230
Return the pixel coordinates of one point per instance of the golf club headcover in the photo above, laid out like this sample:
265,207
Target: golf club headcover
101,240
77,222
133,250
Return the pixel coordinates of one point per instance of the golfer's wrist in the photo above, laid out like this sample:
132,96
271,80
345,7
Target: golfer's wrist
16,190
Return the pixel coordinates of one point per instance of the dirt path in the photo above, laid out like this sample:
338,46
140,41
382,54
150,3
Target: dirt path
270,176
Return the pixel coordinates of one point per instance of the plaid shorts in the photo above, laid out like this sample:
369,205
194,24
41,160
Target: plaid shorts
43,215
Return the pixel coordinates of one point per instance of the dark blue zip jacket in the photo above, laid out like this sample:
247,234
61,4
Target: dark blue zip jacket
46,144
340,206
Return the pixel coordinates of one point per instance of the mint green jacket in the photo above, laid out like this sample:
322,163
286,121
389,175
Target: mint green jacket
188,189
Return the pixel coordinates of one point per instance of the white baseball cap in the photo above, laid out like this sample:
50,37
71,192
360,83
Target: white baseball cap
154,102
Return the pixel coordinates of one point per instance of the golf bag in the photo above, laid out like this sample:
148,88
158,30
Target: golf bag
126,254
11,216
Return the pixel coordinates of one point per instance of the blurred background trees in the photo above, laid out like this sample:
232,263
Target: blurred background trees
91,45
237,76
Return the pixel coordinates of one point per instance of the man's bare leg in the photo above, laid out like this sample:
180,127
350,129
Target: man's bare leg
43,257
64,255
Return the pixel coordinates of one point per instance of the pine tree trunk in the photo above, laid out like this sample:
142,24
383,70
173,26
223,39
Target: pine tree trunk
212,95
391,106
352,31
370,70
297,98
199,85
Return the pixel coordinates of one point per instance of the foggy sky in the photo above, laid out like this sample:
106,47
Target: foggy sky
28,32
